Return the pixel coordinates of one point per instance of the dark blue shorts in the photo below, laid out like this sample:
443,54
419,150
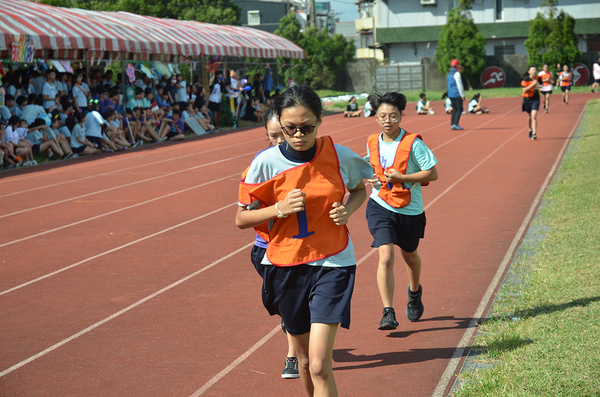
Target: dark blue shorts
390,227
256,256
529,105
565,89
306,294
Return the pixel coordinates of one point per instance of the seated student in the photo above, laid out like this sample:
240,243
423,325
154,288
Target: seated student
149,124
15,82
44,143
172,127
93,127
369,110
68,120
423,105
33,110
5,113
136,101
115,130
14,135
202,120
258,110
79,143
475,105
352,110
131,122
7,150
53,133
21,103
107,81
447,103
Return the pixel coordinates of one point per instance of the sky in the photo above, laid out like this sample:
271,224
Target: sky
347,8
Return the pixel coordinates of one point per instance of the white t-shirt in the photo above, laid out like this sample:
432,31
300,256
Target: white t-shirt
182,92
215,95
448,104
93,123
472,105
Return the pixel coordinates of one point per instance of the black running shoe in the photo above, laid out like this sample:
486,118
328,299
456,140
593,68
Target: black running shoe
290,369
388,321
530,133
414,308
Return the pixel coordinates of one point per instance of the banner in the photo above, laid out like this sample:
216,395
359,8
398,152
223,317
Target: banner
22,49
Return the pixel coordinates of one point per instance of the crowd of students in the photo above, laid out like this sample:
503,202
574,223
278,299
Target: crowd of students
65,115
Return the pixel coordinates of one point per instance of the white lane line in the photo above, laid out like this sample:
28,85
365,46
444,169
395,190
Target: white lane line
464,342
116,211
117,314
254,348
125,185
114,250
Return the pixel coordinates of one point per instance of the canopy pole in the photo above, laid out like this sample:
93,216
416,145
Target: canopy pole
87,66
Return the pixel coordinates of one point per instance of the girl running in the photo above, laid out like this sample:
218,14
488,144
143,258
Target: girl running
300,185
564,78
401,164
531,98
546,88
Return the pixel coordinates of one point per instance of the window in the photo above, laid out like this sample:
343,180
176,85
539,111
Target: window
366,9
498,9
500,50
253,18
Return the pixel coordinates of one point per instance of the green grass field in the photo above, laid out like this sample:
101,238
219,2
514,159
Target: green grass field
543,338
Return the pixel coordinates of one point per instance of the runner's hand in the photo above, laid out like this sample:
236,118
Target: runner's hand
375,182
293,202
392,175
339,214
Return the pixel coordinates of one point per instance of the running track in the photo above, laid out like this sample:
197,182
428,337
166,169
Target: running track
125,275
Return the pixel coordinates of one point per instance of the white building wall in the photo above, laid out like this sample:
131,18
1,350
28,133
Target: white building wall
405,52
410,13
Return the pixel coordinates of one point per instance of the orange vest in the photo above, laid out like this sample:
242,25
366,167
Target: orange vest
530,92
546,79
395,194
566,79
308,235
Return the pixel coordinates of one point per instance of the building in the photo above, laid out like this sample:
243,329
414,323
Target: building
265,14
407,30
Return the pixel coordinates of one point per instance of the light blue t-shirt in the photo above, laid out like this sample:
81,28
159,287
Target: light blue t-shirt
80,97
50,91
421,158
32,112
35,137
420,105
271,162
182,92
5,114
93,124
472,105
78,131
448,104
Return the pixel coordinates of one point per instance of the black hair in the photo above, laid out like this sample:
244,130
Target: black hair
14,120
100,89
21,99
66,104
39,100
138,91
350,100
299,95
31,99
270,114
148,90
93,104
176,112
476,96
8,97
422,95
445,95
107,114
390,98
113,92
79,116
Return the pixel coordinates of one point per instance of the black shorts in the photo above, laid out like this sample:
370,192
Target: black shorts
390,227
597,81
79,149
256,256
529,105
172,133
306,294
96,140
565,89
214,106
35,149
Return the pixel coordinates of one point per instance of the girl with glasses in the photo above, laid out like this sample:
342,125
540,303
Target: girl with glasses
293,195
395,213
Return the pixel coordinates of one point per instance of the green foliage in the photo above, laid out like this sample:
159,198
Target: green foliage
460,39
552,38
227,117
326,54
223,12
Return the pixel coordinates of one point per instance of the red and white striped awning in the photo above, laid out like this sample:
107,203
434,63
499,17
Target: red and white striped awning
65,33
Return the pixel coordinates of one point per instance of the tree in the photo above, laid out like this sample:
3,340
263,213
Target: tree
326,54
552,37
223,12
460,39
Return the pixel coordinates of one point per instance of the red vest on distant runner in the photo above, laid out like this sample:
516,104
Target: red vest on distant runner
311,234
566,79
393,193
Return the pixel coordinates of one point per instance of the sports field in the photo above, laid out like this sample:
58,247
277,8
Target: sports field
124,274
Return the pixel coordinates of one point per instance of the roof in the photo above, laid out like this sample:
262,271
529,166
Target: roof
66,32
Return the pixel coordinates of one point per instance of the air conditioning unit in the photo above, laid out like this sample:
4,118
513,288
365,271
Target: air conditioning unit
429,2
364,14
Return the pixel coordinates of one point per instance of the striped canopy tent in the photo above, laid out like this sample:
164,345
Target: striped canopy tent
73,34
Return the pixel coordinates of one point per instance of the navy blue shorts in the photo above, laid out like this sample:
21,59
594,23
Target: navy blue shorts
529,105
306,294
390,227
566,88
256,256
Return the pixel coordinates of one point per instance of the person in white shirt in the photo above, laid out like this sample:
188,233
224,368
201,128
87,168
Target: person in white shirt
181,89
50,92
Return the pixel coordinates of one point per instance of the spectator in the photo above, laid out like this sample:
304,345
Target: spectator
203,120
115,131
475,105
181,85
50,93
456,93
149,123
172,127
79,143
61,85
53,132
447,103
214,100
268,82
596,73
28,86
93,126
352,109
136,101
142,82
369,109
257,87
21,103
39,79
15,84
33,110
423,105
80,94
44,143
15,135
108,79
5,113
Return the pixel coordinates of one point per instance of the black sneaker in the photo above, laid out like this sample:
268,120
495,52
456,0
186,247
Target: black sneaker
414,308
388,321
530,133
290,369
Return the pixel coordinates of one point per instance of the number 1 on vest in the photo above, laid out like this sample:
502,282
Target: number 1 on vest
302,225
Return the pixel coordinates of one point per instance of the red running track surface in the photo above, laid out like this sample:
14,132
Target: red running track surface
125,275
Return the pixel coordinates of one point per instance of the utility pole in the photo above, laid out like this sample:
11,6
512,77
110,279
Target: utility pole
313,13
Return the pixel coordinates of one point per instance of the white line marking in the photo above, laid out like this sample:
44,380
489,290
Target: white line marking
115,249
115,211
117,314
464,342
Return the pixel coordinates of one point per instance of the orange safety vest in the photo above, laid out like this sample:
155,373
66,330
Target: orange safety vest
395,194
308,235
546,79
566,79
530,92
